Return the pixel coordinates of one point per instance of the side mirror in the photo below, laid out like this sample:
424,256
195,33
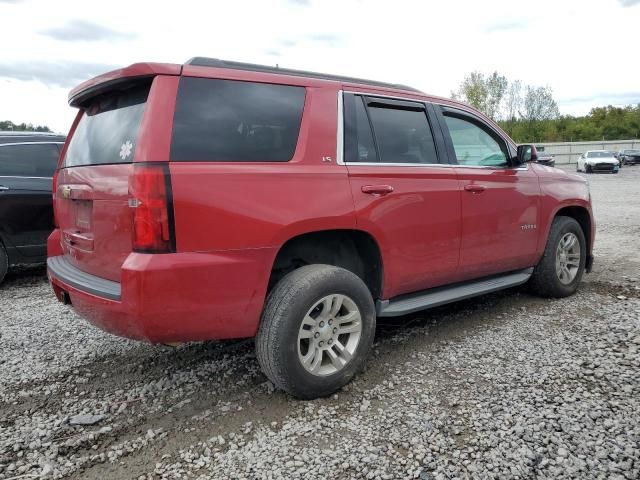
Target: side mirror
527,153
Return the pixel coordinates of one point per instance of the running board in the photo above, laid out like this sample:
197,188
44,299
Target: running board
442,295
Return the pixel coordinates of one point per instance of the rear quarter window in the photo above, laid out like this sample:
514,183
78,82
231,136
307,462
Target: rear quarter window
235,121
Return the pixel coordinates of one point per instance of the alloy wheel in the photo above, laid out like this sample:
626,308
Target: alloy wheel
329,335
568,258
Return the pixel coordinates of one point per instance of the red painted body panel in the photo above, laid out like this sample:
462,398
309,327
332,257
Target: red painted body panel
181,296
154,139
95,223
559,189
223,206
493,237
417,226
232,218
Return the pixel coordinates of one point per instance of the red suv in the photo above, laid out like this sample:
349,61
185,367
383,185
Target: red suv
217,200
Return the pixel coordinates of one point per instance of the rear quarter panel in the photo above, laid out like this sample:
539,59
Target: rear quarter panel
223,205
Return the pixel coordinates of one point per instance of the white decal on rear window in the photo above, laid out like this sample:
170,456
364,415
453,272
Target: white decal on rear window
125,149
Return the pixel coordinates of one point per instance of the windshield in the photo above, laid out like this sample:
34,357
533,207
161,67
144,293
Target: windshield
108,129
631,152
599,155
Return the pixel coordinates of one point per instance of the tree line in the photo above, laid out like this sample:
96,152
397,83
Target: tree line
23,127
530,113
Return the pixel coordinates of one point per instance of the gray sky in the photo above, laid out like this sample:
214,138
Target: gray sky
586,50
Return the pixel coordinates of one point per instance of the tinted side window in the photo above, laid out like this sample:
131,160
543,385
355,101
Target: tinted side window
28,160
359,145
475,145
233,121
402,136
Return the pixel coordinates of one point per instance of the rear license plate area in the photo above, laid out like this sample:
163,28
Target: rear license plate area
83,214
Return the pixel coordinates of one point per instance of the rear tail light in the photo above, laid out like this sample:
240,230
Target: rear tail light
54,189
151,202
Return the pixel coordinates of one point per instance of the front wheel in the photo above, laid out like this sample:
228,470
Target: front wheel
588,169
561,267
316,331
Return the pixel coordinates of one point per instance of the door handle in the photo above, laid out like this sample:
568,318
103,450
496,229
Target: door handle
474,188
377,189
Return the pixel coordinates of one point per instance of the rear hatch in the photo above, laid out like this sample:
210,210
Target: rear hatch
91,197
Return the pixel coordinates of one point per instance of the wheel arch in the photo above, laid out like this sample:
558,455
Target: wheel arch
581,215
352,249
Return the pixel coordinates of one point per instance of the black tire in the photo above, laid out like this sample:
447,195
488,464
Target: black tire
545,281
588,169
287,305
4,262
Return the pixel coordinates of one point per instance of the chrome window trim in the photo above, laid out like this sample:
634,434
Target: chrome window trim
443,165
391,164
340,139
30,143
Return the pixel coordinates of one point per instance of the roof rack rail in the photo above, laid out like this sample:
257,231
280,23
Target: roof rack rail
252,67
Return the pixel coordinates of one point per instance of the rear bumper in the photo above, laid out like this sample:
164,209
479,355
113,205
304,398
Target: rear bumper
171,297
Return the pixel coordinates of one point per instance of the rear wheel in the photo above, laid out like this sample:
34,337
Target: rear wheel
316,331
561,267
4,262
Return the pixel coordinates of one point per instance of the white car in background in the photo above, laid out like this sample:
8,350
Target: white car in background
597,161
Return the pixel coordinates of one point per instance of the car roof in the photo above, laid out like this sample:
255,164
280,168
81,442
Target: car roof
253,67
199,67
7,137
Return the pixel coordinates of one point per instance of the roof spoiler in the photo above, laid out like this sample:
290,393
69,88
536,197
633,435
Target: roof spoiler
119,78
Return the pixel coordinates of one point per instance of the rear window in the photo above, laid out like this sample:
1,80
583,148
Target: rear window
28,160
234,121
108,130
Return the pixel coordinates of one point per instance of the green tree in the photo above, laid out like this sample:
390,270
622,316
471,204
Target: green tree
483,93
23,127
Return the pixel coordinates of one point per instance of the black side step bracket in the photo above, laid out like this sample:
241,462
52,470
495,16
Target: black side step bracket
435,297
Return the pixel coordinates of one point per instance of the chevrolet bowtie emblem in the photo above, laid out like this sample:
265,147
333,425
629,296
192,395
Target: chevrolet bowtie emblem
66,192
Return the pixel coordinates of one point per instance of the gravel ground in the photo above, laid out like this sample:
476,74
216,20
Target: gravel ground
504,386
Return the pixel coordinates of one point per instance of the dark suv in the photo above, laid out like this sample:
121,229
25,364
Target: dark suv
27,163
629,157
217,200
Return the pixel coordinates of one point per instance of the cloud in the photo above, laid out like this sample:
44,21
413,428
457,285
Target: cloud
326,38
61,74
10,1
507,25
81,30
329,39
300,2
629,3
